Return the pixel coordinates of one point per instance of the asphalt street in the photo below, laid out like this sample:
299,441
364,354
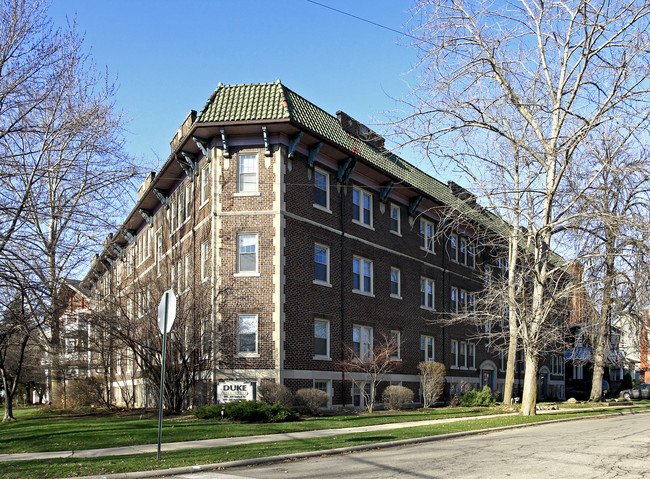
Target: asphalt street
616,447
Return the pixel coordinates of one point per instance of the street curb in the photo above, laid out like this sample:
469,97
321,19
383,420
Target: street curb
333,452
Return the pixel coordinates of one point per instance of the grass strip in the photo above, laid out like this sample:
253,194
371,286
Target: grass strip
53,468
41,432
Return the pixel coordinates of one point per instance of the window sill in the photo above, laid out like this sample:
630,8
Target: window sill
247,275
242,194
427,308
322,208
395,296
203,204
357,222
322,358
247,355
205,280
322,283
363,293
396,233
431,251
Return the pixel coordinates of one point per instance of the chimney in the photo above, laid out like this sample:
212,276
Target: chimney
145,184
360,130
462,193
183,129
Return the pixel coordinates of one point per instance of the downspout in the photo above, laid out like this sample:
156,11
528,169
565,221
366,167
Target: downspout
342,284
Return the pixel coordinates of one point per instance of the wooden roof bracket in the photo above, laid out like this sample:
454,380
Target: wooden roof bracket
313,153
203,145
267,144
293,143
226,144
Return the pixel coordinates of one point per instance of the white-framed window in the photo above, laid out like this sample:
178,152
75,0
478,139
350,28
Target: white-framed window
188,201
362,275
462,250
205,183
324,385
427,348
180,276
247,173
427,293
321,339
159,252
172,276
454,353
503,360
188,271
362,341
205,260
578,372
247,334
172,214
462,300
180,200
395,219
427,231
470,255
396,342
247,253
358,397
205,337
362,207
471,355
395,283
557,365
470,302
453,247
453,306
322,189
321,264
462,354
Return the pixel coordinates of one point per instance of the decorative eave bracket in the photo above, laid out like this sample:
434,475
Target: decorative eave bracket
147,215
293,143
385,191
267,143
226,144
345,170
313,152
130,236
203,145
162,196
414,203
189,164
119,251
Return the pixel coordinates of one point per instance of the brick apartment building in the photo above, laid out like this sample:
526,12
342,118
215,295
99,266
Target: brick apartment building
302,234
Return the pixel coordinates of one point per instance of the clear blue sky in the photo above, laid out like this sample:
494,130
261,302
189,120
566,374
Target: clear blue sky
168,56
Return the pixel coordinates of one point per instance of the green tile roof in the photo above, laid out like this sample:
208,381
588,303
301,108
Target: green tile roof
274,101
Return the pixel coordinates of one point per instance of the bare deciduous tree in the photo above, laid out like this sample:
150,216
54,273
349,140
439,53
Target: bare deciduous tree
541,78
62,153
366,368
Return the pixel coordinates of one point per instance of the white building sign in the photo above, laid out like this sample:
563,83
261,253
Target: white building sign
229,391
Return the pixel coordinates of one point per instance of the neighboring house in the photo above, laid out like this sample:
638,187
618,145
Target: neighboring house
324,238
633,345
578,353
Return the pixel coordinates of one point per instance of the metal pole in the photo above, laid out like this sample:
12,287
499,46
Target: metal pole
162,377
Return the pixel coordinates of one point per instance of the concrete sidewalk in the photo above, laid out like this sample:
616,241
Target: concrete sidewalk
230,441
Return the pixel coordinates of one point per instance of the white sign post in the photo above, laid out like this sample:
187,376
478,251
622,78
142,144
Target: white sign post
166,316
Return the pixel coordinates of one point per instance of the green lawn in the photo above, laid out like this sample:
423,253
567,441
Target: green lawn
119,464
35,431
61,432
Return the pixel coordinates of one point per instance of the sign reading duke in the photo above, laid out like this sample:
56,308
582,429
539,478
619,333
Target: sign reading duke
229,391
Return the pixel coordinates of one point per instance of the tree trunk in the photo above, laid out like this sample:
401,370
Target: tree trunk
510,367
9,408
529,401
